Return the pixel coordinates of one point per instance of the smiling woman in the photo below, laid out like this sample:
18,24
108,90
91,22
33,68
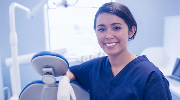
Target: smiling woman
121,75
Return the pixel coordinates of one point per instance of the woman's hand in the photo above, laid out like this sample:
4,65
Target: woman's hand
65,89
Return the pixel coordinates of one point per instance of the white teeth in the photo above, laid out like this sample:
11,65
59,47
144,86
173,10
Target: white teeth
111,44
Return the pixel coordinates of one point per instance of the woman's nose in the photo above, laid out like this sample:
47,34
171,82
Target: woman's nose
109,35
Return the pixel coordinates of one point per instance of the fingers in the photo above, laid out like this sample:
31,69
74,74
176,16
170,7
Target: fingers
73,95
64,98
65,78
65,89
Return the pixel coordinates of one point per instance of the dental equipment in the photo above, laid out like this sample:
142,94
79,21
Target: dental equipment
14,69
8,92
14,61
65,3
50,65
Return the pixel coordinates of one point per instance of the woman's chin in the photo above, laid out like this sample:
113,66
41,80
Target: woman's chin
110,53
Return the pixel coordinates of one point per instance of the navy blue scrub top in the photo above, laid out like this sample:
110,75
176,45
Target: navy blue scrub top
138,80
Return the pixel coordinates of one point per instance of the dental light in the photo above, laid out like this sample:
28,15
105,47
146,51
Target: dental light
65,3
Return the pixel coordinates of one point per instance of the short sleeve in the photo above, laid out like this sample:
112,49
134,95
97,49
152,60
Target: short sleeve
81,72
157,88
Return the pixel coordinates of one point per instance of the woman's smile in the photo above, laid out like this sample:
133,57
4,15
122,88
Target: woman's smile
111,45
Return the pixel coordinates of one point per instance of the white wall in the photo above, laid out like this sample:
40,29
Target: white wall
149,15
172,39
165,56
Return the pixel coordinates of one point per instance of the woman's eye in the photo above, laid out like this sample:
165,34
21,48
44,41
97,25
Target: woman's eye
117,28
101,29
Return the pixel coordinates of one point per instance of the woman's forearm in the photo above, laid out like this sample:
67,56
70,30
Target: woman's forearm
70,75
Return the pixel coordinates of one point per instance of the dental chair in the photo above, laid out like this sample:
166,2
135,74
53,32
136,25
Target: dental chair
50,65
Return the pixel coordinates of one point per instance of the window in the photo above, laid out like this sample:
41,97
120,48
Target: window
72,27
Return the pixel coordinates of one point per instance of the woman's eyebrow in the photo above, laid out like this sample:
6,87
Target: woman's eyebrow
116,23
111,24
100,25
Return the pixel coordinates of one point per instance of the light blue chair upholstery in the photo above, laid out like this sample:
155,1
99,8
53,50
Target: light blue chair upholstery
50,65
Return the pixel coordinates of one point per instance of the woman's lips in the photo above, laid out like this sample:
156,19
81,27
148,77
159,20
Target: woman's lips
110,44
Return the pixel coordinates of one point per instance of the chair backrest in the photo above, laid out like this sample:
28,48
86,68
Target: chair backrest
50,65
37,90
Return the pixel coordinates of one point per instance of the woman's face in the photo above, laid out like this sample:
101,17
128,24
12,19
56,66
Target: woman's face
112,33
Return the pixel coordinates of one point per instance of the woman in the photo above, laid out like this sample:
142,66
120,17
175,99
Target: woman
121,75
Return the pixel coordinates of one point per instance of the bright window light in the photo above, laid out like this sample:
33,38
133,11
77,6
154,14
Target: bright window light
72,28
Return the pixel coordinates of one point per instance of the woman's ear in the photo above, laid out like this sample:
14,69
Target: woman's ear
132,32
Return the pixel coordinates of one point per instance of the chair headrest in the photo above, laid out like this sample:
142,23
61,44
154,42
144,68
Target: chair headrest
48,59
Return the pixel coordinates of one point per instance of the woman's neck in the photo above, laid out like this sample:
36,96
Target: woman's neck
119,61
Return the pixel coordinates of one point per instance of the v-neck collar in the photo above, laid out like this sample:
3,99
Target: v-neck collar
124,70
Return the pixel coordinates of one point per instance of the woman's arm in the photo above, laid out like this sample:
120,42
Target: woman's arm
70,75
157,88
